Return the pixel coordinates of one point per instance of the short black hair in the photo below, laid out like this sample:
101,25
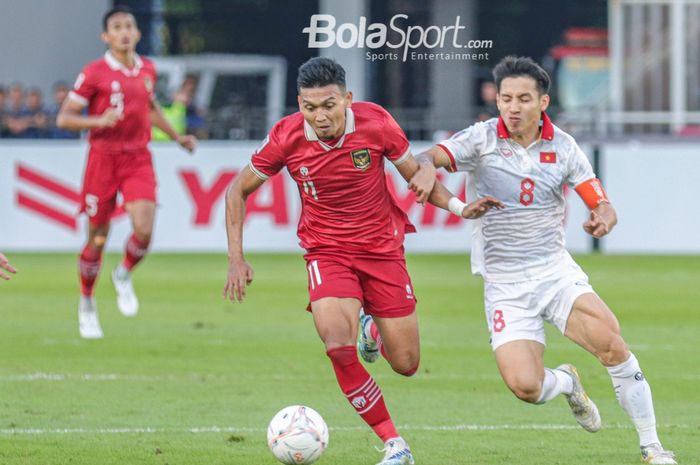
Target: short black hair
512,66
116,10
320,72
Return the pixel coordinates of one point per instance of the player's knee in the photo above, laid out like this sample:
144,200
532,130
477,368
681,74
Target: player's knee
143,234
613,352
97,242
526,391
406,366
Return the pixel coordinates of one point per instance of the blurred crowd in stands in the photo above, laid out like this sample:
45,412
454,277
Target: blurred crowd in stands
24,113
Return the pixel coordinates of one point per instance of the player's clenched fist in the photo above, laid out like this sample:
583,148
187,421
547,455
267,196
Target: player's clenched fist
110,117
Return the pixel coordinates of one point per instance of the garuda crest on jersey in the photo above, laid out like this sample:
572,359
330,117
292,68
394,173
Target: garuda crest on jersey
361,159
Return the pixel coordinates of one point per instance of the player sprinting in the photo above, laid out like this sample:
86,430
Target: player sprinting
351,228
7,266
118,93
525,161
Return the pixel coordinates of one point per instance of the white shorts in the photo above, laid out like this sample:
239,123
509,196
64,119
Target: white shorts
516,311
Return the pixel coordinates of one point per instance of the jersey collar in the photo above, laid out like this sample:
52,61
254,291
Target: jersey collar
349,129
547,132
115,65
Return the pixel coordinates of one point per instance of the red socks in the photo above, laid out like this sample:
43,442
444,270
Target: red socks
135,251
361,391
89,266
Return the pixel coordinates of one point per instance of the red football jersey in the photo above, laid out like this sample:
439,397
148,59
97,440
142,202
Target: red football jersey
107,83
346,204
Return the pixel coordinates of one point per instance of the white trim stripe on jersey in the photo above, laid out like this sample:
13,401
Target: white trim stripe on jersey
453,163
402,158
257,172
78,98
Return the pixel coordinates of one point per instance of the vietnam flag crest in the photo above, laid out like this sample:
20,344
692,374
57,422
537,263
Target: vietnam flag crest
548,157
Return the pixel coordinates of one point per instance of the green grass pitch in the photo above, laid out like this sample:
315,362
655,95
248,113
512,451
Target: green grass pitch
194,380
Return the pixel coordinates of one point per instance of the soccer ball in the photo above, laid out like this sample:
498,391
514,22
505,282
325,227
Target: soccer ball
297,435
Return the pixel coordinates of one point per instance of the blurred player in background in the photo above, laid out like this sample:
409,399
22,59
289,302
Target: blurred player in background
118,91
524,160
5,265
352,230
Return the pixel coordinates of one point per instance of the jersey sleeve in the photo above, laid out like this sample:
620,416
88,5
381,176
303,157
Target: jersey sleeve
396,146
268,159
578,168
465,147
85,86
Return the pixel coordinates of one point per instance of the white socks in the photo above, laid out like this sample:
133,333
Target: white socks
555,382
634,395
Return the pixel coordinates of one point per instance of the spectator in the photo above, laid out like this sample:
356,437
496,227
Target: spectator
488,107
60,92
195,116
17,116
176,114
37,115
3,97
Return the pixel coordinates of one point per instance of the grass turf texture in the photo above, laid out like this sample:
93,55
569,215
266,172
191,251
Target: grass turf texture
194,379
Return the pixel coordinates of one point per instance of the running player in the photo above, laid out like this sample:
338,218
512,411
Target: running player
117,90
351,228
525,161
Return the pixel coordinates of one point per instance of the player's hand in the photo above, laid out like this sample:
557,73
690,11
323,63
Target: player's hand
478,208
240,274
423,181
596,226
110,117
5,265
188,142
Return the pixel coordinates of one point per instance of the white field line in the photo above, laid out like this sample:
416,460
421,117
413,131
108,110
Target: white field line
237,429
57,377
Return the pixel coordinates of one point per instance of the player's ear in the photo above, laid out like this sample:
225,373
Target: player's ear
348,98
544,102
103,36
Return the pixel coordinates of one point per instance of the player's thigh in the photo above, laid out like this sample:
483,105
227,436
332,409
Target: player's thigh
331,276
142,215
513,313
593,326
401,340
100,185
386,287
336,320
137,180
521,364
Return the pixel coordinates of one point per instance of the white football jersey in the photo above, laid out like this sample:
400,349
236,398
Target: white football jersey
525,240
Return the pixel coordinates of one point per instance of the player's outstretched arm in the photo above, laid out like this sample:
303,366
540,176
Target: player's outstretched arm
5,265
70,117
158,119
240,273
441,197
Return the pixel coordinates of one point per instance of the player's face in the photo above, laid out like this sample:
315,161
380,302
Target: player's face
324,109
122,34
521,105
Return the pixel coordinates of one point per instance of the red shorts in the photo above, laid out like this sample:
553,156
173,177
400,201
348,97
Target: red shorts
130,173
381,284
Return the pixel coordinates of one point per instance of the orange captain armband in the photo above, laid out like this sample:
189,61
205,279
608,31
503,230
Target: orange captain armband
592,193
